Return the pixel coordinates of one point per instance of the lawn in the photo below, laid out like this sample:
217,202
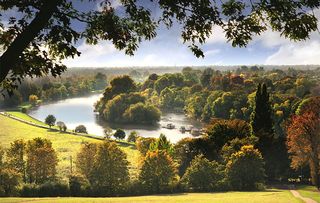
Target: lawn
25,117
310,192
271,196
66,145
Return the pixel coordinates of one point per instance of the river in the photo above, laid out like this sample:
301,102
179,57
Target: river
79,111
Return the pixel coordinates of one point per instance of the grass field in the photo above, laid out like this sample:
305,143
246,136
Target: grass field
66,145
271,196
310,192
25,117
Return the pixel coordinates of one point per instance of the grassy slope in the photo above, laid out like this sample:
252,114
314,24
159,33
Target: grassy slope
310,192
25,117
273,196
65,144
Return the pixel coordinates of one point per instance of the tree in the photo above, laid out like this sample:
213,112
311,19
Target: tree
107,133
9,180
48,24
205,78
81,129
262,127
119,134
157,171
50,120
16,157
261,117
41,161
62,126
133,136
203,175
140,113
245,168
100,81
304,143
221,131
108,172
188,148
33,99
143,144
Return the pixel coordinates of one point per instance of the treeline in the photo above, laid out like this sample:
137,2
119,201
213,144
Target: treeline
53,89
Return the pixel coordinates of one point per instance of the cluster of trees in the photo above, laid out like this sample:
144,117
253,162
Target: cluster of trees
50,89
31,162
122,104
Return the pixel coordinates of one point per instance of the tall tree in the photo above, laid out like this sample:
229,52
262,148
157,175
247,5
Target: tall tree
261,117
105,165
16,157
304,143
272,149
41,23
41,161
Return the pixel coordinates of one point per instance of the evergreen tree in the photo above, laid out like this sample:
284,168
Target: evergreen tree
272,148
261,117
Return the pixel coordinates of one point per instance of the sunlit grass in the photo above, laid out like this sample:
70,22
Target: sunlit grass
271,196
310,192
66,145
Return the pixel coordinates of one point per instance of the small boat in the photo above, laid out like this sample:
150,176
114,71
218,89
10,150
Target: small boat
169,126
195,132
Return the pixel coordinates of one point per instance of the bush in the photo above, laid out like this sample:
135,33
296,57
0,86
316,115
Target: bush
53,189
78,186
119,134
245,169
81,129
29,190
24,110
203,175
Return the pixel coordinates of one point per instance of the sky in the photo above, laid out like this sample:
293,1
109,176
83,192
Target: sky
167,49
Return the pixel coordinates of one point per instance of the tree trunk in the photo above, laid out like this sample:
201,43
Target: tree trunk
21,42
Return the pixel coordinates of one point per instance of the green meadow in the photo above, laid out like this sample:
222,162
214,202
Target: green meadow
66,145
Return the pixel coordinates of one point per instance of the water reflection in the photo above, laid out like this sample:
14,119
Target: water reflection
78,111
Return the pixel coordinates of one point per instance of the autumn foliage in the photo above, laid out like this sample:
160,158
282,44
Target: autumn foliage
303,143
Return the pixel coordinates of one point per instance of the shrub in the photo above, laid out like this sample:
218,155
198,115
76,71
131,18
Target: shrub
81,129
245,169
24,110
29,190
53,189
203,175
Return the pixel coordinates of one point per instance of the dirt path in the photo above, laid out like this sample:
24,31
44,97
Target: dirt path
297,195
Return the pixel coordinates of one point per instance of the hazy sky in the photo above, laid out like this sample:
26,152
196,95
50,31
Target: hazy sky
167,49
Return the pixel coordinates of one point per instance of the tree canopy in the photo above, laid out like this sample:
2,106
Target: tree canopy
40,34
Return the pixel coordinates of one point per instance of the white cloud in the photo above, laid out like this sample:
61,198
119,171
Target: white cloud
302,53
217,36
212,52
90,54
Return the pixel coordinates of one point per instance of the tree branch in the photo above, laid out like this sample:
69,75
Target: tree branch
21,42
